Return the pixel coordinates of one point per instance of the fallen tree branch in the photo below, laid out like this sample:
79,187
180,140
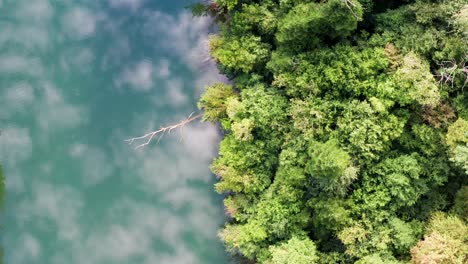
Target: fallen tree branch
351,5
450,70
160,133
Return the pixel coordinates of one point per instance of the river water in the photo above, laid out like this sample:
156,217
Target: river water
78,77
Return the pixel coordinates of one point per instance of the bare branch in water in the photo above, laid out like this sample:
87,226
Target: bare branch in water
160,132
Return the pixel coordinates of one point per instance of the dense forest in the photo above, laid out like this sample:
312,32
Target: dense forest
346,129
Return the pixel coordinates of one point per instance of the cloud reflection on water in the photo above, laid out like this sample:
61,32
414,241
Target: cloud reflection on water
79,22
170,174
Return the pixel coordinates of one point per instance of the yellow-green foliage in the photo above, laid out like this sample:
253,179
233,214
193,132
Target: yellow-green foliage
376,259
295,250
306,23
229,4
461,20
457,140
416,80
239,54
214,101
445,242
457,133
243,130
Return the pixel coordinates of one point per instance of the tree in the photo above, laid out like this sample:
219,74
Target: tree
416,82
295,250
445,241
457,140
460,206
330,167
215,100
307,23
239,54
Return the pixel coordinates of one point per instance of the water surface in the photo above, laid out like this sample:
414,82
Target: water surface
76,79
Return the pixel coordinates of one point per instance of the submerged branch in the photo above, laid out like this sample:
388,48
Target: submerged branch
160,132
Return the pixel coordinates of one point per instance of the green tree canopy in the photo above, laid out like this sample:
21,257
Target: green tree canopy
345,129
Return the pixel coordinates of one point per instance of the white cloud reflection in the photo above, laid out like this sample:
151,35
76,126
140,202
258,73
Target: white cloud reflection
175,92
78,60
15,145
174,176
95,165
35,10
11,64
132,4
30,250
16,99
162,69
54,113
28,36
138,76
79,22
59,205
187,37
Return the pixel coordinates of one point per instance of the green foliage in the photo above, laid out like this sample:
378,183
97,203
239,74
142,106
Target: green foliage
404,235
398,180
229,4
327,161
345,131
460,103
243,166
247,238
239,54
360,240
331,167
243,130
214,101
366,132
417,82
266,108
457,140
376,259
296,250
306,23
460,207
315,118
331,71
330,215
424,138
461,20
367,240
457,133
449,226
460,156
254,17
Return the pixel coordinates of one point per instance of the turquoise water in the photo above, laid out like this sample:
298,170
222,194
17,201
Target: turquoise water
77,78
